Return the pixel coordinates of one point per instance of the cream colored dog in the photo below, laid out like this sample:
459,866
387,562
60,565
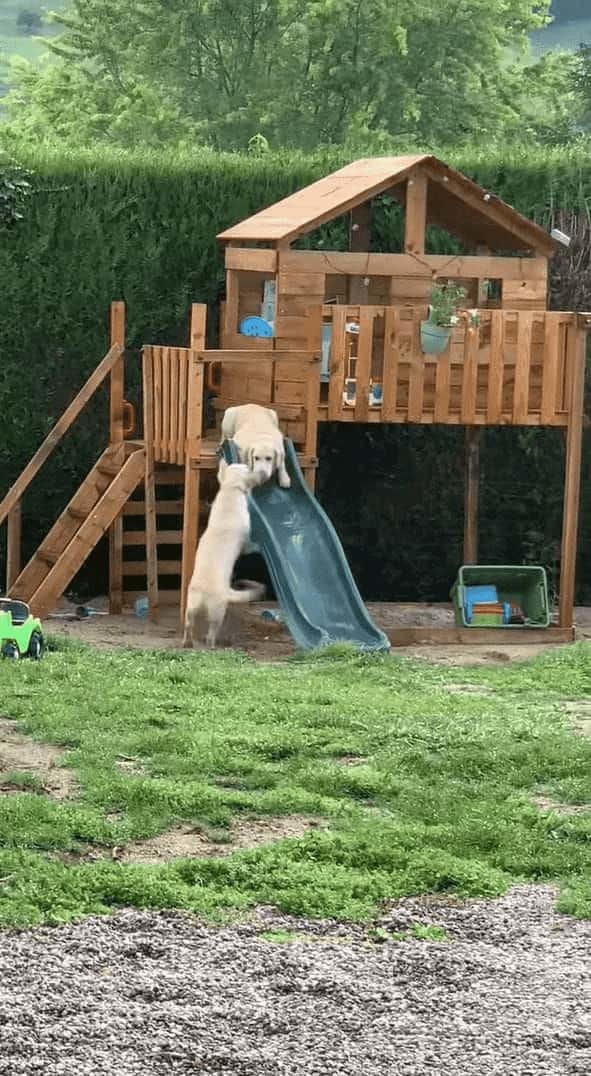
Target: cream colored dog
255,431
227,531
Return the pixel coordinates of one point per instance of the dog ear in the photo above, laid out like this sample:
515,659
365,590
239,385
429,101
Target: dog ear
223,467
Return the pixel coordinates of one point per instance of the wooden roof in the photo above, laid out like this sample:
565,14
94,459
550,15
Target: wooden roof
454,203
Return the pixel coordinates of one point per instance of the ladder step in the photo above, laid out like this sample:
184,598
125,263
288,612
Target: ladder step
163,508
139,567
162,538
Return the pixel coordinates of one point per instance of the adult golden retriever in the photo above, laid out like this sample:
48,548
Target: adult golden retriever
255,431
228,529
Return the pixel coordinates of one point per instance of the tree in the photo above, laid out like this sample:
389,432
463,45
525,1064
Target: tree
29,21
299,72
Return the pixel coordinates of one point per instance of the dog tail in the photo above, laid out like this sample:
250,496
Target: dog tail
250,592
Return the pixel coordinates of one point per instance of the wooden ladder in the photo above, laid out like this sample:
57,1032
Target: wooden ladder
93,509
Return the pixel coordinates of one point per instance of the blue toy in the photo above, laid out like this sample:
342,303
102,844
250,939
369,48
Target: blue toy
253,326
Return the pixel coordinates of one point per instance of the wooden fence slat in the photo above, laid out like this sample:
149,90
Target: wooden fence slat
496,367
391,363
470,374
165,360
363,366
550,391
183,367
175,374
522,365
416,374
157,409
338,370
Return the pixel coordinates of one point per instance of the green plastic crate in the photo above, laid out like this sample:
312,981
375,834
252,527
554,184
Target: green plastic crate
523,585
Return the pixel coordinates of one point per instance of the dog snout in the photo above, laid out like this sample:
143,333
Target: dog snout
263,470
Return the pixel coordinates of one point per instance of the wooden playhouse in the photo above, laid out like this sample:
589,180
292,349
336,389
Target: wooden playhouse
344,345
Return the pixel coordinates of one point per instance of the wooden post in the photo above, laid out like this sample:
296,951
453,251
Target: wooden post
150,490
117,334
313,393
577,348
415,218
471,484
193,452
359,240
13,550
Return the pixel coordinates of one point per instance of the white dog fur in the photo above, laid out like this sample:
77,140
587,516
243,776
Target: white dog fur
255,432
227,532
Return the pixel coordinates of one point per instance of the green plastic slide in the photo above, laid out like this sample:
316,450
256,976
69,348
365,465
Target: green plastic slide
305,559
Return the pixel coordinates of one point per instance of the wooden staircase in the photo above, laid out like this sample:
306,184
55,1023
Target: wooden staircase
91,512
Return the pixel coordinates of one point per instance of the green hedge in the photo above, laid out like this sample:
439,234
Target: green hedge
104,225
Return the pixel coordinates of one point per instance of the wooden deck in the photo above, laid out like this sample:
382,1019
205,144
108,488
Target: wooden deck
517,368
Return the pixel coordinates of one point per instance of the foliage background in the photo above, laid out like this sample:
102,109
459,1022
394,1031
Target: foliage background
141,227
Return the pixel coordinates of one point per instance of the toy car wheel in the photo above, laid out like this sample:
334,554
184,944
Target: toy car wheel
11,651
36,646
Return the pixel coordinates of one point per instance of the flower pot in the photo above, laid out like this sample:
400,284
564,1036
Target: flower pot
434,338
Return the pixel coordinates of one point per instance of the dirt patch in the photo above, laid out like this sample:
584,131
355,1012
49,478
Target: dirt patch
543,803
185,842
133,767
245,629
579,713
351,760
42,761
467,689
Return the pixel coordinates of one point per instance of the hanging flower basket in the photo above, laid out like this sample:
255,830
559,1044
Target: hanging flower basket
445,311
434,338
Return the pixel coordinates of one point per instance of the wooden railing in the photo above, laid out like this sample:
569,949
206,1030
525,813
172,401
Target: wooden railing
515,368
11,506
175,380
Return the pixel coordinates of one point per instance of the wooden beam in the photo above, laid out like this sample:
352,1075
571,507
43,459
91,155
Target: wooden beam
577,348
150,490
471,491
250,357
489,637
464,266
491,207
13,548
231,304
359,240
415,215
117,416
193,452
251,259
61,427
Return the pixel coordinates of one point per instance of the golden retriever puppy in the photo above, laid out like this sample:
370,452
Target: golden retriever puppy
255,431
227,531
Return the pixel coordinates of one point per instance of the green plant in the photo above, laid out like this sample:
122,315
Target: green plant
445,301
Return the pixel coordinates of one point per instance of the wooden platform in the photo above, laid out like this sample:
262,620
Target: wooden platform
452,636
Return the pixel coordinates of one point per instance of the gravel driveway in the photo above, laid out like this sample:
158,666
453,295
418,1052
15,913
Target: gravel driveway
148,994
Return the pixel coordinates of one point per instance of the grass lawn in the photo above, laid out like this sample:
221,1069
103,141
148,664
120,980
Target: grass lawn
440,799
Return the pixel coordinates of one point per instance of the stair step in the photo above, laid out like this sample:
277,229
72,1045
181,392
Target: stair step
47,556
76,513
109,470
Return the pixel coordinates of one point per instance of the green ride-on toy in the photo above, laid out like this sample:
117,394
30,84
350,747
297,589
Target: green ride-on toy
21,634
